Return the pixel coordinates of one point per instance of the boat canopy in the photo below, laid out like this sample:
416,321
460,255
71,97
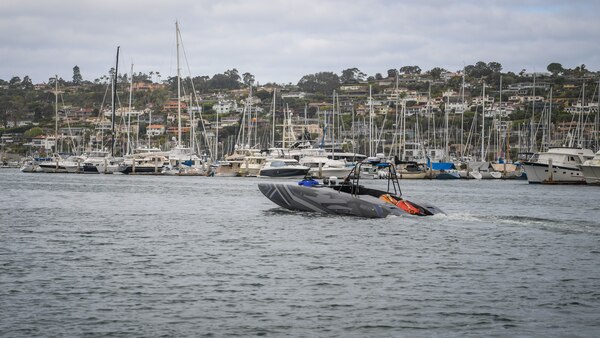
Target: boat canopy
442,165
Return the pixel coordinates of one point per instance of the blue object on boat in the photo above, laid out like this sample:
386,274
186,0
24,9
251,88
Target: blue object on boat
442,165
308,182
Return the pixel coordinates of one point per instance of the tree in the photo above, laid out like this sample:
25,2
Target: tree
555,68
233,75
248,79
392,72
378,76
14,83
495,67
26,83
411,70
352,75
580,70
436,72
77,79
33,132
201,83
227,80
263,95
323,82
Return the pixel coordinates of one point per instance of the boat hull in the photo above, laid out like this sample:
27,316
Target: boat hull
412,175
328,200
447,175
284,172
539,173
54,168
591,173
329,172
141,170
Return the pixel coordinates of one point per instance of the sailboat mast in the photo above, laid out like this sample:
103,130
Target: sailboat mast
532,136
499,116
333,125
446,131
114,104
403,112
56,113
462,116
581,111
217,136
549,137
178,87
129,150
192,126
370,120
483,124
273,124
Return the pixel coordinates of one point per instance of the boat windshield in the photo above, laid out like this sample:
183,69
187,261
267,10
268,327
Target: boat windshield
277,164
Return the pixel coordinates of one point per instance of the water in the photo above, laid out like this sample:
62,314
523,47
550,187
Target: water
104,255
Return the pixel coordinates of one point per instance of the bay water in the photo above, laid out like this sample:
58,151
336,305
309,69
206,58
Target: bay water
116,255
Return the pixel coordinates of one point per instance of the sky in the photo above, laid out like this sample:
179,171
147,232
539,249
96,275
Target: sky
283,40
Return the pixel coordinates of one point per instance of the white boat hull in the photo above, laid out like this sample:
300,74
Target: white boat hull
329,172
591,173
539,173
488,175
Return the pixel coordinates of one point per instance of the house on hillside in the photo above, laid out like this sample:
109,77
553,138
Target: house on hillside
155,130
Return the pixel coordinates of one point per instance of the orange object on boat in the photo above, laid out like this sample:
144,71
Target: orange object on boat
408,207
388,198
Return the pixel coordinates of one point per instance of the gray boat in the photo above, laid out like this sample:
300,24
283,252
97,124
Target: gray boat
347,197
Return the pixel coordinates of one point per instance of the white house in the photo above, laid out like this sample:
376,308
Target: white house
155,130
224,107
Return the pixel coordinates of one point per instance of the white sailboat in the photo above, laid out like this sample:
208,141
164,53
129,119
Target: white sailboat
182,160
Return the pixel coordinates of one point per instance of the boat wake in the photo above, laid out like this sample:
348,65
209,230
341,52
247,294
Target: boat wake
560,225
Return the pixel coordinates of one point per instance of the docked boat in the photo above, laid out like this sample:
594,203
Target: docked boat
94,160
322,166
508,170
31,165
557,166
147,165
71,164
478,170
243,162
443,170
283,168
228,168
591,170
348,197
411,170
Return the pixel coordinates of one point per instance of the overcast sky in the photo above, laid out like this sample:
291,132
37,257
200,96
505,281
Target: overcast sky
280,41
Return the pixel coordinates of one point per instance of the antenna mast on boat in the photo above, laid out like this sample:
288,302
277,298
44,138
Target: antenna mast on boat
114,103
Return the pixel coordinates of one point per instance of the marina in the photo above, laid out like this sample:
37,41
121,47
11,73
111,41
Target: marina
188,256
300,169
